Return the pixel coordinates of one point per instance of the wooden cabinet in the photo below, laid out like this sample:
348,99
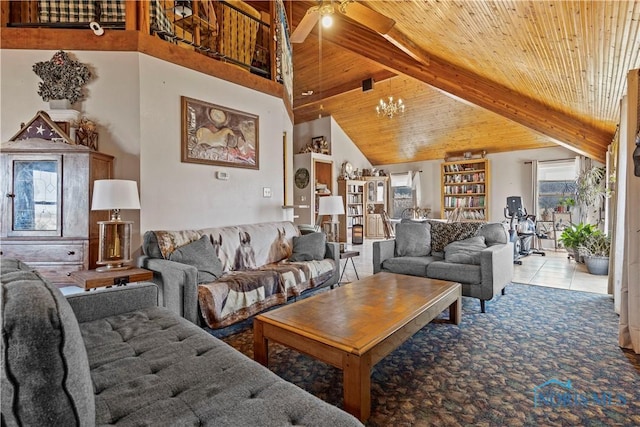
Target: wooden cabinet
352,193
313,178
375,196
465,185
374,228
47,220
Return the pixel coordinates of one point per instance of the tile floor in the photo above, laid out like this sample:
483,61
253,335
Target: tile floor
552,270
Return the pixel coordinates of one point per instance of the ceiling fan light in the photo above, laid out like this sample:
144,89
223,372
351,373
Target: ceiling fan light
327,21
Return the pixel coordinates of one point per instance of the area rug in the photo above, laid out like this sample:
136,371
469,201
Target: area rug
538,357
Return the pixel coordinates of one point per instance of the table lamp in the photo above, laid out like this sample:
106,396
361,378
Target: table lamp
331,205
115,235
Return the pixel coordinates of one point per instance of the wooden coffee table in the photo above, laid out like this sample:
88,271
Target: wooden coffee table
355,326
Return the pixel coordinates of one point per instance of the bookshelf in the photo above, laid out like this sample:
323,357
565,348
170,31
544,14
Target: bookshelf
352,193
465,185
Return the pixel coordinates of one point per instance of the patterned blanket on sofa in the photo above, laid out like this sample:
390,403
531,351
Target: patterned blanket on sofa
256,271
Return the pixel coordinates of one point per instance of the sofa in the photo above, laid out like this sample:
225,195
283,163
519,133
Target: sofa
113,357
477,255
222,275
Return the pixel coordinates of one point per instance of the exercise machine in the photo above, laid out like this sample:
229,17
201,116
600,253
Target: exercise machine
522,229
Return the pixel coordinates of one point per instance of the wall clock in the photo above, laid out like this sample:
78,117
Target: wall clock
302,178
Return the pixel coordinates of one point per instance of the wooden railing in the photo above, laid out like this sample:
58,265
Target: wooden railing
232,32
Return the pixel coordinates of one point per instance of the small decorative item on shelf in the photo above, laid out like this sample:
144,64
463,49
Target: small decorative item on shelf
86,133
318,145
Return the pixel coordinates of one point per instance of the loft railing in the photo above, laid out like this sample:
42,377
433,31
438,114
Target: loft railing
230,31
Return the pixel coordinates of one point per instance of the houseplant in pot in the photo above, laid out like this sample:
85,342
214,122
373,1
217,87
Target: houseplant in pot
574,235
595,249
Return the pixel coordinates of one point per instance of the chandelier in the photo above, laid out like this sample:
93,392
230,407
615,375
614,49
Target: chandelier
390,108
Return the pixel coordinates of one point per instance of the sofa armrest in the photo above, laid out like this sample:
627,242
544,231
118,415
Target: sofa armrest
178,285
333,252
496,264
382,250
102,303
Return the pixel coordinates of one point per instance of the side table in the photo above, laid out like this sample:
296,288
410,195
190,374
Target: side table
91,279
348,255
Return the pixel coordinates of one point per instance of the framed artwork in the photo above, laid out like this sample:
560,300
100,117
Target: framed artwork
216,135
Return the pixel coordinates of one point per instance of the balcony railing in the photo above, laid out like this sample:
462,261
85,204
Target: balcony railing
230,31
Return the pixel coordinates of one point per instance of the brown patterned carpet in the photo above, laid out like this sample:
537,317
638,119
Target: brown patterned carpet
487,370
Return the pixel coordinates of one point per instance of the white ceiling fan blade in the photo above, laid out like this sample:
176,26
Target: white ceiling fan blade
306,25
367,17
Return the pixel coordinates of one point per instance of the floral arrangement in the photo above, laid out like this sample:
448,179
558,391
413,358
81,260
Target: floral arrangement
62,78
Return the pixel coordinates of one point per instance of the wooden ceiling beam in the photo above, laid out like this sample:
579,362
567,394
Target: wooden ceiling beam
346,87
568,131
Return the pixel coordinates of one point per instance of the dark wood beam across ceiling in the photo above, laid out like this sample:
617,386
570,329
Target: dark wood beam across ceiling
568,131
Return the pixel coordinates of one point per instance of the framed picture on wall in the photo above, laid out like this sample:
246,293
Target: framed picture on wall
216,135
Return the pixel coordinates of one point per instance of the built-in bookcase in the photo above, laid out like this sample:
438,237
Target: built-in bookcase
465,185
352,193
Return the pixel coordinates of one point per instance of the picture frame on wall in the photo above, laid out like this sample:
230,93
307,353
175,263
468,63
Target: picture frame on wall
217,135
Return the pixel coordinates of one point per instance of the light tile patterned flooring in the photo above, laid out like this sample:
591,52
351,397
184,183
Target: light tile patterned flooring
552,270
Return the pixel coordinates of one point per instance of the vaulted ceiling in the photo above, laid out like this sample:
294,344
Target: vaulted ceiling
474,75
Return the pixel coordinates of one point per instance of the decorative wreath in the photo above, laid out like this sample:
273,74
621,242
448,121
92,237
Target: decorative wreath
62,78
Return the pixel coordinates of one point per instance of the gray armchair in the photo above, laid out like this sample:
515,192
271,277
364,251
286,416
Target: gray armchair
482,279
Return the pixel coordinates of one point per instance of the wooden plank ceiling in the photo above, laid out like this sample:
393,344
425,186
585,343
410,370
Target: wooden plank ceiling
485,75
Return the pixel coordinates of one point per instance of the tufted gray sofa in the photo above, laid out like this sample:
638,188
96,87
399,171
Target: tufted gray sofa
112,357
482,279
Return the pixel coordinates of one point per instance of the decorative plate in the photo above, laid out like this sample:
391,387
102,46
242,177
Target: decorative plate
348,168
302,178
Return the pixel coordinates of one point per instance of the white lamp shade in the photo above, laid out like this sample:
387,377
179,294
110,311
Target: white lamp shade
115,194
331,205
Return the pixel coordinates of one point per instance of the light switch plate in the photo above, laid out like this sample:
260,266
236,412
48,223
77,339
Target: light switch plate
223,175
266,191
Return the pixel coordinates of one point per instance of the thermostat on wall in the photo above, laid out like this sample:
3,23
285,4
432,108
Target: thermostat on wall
224,175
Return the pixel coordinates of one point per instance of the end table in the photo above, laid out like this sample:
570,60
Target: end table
91,279
348,255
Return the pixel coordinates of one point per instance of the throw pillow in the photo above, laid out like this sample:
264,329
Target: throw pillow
202,256
443,233
465,251
308,247
413,239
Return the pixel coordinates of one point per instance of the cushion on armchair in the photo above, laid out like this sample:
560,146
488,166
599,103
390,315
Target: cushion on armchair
202,255
444,233
466,251
413,239
309,247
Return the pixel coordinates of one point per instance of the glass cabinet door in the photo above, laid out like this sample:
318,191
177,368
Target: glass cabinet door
371,192
35,195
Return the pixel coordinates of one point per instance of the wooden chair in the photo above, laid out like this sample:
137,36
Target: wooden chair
389,232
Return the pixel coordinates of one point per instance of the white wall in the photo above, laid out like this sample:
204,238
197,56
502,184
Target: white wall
135,100
510,176
342,147
187,195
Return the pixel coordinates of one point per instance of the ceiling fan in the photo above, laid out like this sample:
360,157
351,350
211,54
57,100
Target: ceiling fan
350,8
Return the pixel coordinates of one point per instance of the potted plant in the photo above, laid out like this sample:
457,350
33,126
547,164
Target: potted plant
568,202
590,191
574,235
595,249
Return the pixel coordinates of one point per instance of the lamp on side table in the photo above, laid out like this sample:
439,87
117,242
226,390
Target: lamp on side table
115,234
331,205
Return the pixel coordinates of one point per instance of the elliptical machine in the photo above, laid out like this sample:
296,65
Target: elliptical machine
522,229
